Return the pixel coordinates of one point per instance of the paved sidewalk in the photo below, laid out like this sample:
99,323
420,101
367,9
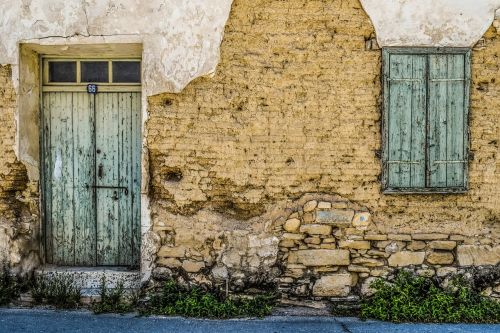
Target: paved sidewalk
46,321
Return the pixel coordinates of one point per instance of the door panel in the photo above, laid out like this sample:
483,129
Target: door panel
92,178
66,191
114,162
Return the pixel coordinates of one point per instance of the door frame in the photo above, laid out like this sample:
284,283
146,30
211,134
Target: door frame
45,86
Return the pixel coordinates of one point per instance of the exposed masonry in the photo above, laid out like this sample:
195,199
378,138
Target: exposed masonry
294,108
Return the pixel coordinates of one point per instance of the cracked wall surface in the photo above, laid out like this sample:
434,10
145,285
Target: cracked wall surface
454,23
294,108
253,171
181,39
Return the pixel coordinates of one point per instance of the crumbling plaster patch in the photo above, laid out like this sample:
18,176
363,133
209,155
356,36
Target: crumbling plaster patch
430,23
181,39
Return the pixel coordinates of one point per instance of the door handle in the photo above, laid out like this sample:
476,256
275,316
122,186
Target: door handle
100,171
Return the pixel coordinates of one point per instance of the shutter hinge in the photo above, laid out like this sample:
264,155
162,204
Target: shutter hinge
378,153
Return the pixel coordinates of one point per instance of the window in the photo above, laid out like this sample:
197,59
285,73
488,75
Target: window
425,119
80,72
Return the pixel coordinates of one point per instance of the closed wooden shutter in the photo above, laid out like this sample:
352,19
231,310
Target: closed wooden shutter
447,120
405,119
426,97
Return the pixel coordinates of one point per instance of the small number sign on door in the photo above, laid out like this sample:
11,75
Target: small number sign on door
92,88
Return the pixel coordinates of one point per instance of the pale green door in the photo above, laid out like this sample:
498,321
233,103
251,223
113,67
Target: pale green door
91,178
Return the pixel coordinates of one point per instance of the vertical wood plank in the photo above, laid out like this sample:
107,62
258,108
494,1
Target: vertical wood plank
62,205
48,101
438,114
107,160
455,132
125,178
136,176
83,125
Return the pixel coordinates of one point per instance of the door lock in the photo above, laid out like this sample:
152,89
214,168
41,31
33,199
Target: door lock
100,171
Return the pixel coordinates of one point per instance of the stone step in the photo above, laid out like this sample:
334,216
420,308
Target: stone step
89,279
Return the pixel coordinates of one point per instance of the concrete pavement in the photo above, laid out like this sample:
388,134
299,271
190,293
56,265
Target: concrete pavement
48,321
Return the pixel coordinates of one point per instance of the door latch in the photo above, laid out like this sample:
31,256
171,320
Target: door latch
124,188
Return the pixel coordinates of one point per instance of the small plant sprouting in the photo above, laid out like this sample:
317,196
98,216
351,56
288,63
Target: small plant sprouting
411,298
175,299
58,290
114,300
9,285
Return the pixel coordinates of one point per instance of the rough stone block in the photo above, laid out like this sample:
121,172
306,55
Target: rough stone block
399,237
443,245
355,244
171,252
339,217
309,217
320,257
423,236
416,245
440,258
292,225
361,220
468,255
375,237
406,258
369,262
324,205
293,236
192,266
316,229
335,285
310,206
313,240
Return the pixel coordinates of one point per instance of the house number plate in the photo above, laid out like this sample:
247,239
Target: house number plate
92,88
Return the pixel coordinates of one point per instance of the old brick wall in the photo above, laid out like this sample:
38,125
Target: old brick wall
291,118
18,196
294,108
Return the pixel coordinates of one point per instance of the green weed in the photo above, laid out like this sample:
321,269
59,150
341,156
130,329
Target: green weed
57,290
114,300
411,298
9,286
174,299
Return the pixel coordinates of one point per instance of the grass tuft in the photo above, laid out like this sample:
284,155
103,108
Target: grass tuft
56,290
113,300
9,286
411,298
175,299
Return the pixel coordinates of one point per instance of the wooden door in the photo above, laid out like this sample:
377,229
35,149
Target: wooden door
91,178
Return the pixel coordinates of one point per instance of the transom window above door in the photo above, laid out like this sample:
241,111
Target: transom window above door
85,71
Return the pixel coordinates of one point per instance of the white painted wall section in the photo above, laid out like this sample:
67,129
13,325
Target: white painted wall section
181,38
439,23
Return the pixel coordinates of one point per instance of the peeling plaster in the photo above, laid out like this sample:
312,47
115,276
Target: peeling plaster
180,42
181,39
432,23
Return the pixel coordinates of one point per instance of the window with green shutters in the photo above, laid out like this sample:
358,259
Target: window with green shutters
425,119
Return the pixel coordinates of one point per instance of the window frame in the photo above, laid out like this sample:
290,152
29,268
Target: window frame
386,53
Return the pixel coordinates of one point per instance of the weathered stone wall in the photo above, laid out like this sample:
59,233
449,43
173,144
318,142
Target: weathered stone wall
267,174
19,227
295,107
